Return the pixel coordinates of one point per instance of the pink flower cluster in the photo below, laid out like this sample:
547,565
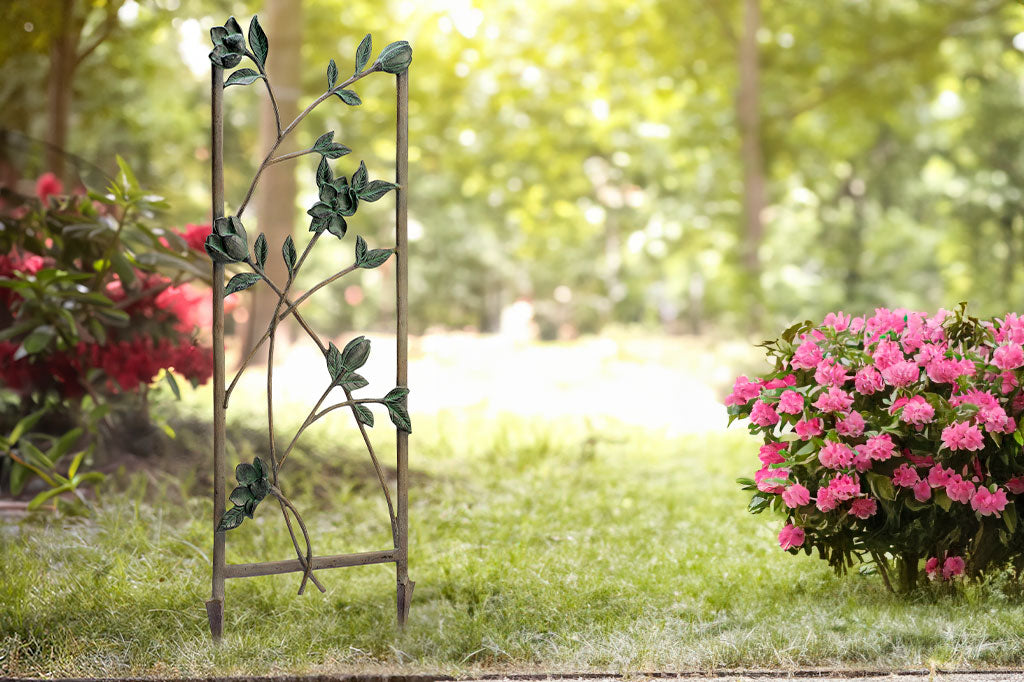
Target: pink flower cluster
865,419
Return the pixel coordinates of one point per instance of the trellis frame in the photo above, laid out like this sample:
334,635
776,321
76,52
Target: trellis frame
399,554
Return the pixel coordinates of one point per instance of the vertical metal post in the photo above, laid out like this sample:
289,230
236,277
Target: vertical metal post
215,605
405,586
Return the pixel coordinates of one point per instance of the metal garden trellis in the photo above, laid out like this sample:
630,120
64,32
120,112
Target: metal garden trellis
228,244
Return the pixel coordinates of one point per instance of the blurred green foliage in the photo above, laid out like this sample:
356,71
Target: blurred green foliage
593,146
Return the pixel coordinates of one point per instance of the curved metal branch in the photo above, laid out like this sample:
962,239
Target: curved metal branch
307,562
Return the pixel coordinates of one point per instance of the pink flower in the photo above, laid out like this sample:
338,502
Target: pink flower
878,448
953,567
764,414
1016,485
826,501
905,476
767,480
48,185
791,536
791,402
939,477
743,391
807,355
852,426
918,412
901,374
868,381
959,490
1008,357
944,370
863,507
887,353
931,567
1008,381
962,436
835,455
796,495
828,373
922,491
808,428
770,453
844,487
838,321
835,400
987,503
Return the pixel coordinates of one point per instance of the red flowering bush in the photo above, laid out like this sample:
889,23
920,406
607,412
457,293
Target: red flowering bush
95,301
893,436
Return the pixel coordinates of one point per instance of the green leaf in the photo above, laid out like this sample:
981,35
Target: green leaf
352,381
374,259
400,417
359,178
241,282
36,341
336,225
259,467
1010,517
349,97
334,366
364,415
323,173
260,250
42,497
173,383
260,489
232,519
356,352
258,41
363,53
336,150
76,463
324,141
63,445
376,189
215,250
243,77
245,474
397,395
288,251
332,75
240,495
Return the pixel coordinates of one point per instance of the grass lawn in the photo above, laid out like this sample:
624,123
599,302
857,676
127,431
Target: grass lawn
550,546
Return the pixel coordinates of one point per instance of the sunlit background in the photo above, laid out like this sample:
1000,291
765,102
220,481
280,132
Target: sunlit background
620,169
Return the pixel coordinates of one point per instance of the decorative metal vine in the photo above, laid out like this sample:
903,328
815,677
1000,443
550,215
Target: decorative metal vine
228,245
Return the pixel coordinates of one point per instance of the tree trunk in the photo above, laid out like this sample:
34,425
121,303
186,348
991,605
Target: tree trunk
63,61
275,195
908,572
749,118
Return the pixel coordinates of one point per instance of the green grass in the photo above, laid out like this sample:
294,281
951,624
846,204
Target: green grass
534,546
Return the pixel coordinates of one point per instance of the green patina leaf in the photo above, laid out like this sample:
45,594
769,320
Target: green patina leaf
260,488
376,189
246,474
258,41
290,256
240,495
336,150
400,417
332,75
360,248
363,52
349,97
352,381
323,172
334,362
396,395
364,415
374,258
232,518
337,226
323,142
243,77
260,250
360,177
241,282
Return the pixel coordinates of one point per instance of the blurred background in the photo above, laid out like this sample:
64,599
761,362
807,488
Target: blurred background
680,167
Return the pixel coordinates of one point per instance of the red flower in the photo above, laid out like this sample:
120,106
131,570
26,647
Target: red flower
48,185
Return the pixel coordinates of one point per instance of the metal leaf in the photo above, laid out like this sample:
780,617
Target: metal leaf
258,41
332,75
363,52
241,282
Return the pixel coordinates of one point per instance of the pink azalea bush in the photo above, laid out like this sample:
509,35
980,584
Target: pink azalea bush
893,436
